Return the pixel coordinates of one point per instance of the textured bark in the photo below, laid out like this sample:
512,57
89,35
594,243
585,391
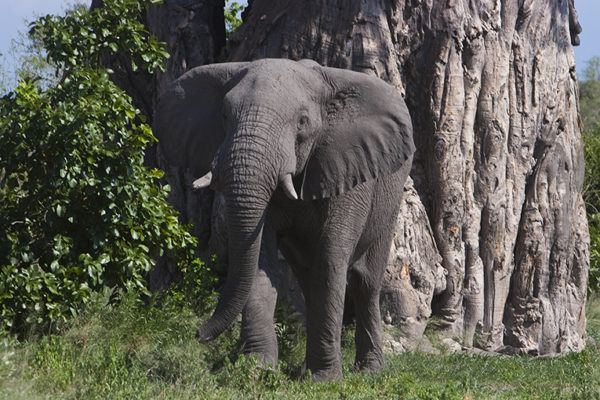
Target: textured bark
194,32
493,95
414,272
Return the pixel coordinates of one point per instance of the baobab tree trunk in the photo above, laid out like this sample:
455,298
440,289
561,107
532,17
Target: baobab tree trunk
194,33
492,91
496,200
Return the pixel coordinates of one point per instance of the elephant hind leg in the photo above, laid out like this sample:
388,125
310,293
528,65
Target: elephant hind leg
364,284
366,275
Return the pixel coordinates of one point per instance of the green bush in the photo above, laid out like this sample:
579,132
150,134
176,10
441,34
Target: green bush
594,277
79,211
591,186
589,97
195,289
232,20
591,196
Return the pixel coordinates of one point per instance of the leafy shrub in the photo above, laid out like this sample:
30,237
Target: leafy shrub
591,195
79,210
195,289
589,96
594,277
291,338
591,186
232,20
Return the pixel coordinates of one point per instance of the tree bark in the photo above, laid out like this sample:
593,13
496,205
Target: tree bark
492,90
414,273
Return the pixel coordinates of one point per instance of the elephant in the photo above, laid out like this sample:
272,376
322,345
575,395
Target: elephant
310,157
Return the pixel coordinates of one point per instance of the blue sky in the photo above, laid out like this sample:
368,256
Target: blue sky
15,12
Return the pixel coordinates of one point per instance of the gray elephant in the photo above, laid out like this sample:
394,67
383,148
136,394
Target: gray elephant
316,158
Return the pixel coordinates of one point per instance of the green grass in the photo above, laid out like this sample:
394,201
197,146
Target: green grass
133,351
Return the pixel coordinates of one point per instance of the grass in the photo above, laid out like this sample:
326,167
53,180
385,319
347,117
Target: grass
132,351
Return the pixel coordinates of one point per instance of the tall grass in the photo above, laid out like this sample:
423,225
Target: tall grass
132,350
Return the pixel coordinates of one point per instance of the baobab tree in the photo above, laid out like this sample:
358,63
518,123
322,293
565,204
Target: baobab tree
495,197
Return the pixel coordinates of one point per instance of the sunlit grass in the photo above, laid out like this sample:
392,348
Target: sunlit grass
131,350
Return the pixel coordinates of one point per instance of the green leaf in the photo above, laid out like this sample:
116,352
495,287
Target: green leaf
104,259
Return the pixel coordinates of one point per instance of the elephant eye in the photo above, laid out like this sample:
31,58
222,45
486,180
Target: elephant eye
224,121
302,122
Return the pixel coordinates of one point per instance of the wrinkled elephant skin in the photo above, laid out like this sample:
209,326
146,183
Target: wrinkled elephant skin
316,159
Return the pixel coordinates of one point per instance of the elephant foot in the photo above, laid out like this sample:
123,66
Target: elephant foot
321,374
264,360
326,375
266,354
372,363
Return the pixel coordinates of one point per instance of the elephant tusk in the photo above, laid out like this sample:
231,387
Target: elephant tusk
288,187
202,182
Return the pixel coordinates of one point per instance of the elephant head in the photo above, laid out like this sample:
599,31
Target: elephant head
274,124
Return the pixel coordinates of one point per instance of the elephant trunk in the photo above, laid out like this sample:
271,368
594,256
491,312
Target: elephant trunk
247,192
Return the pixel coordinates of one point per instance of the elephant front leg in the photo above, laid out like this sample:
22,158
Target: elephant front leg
258,332
325,306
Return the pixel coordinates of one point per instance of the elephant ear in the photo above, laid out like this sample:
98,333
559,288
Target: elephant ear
367,134
188,121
